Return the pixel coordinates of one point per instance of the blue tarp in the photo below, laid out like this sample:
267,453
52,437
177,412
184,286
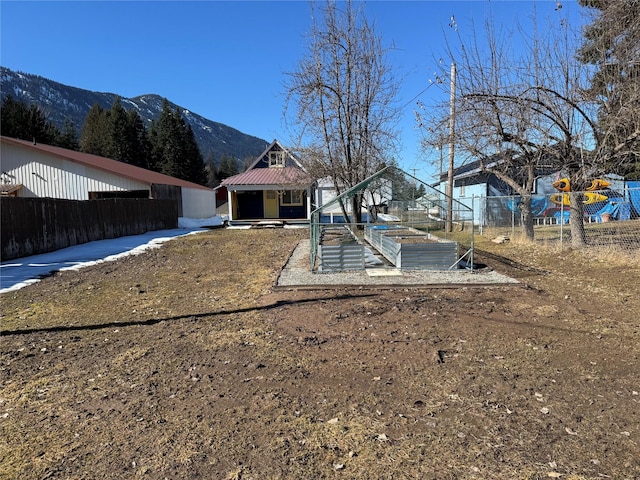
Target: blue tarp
564,214
616,207
538,205
610,208
634,195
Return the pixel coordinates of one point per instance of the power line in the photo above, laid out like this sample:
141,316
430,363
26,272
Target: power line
411,101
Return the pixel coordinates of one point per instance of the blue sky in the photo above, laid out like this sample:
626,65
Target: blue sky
225,60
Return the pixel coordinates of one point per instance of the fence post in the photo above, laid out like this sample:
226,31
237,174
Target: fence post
513,218
562,224
473,229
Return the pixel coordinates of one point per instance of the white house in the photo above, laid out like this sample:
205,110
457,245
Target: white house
373,198
37,170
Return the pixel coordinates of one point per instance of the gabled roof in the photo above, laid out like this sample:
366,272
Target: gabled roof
292,175
271,147
474,168
105,164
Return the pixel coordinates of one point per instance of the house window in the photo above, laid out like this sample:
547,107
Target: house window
276,159
292,197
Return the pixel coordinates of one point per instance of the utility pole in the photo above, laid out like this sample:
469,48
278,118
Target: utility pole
413,193
415,184
452,125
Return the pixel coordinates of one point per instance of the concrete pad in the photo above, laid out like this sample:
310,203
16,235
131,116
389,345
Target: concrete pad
296,273
383,272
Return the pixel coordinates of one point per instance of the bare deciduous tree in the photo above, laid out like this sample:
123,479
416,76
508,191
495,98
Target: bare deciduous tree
343,92
524,115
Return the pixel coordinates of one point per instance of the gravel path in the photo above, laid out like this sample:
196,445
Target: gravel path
296,273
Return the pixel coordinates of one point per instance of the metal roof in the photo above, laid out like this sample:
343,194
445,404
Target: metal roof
106,164
284,176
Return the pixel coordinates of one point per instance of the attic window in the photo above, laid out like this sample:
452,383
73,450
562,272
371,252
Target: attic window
276,159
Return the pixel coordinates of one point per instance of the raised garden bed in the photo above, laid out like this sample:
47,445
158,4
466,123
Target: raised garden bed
340,250
408,248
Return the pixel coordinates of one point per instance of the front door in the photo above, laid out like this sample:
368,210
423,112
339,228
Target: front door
270,204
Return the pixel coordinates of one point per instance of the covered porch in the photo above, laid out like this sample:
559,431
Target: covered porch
265,205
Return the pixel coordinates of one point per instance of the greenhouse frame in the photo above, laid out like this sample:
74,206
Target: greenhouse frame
391,220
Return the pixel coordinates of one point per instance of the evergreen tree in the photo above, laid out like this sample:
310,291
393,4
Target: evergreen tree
162,136
405,189
118,141
139,140
14,118
40,129
116,134
195,169
174,150
611,46
93,138
228,167
212,172
18,120
68,138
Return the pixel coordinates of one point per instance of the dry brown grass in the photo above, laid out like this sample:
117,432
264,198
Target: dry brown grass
184,362
621,247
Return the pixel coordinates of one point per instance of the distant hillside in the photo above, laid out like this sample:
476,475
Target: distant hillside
61,102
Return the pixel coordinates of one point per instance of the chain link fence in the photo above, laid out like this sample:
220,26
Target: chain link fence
610,218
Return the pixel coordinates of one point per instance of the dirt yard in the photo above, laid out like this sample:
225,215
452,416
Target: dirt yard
185,362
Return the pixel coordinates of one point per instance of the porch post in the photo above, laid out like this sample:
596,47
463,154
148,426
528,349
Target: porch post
229,197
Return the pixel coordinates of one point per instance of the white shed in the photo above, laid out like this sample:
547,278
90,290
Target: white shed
38,170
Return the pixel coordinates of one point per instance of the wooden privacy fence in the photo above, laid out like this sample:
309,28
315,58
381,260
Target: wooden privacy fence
38,225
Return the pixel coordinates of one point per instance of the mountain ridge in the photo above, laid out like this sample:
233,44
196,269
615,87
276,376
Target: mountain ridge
61,103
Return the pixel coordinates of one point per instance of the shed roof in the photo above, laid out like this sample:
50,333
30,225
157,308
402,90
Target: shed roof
106,164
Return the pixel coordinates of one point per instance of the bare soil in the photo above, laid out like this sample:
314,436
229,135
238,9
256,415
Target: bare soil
186,362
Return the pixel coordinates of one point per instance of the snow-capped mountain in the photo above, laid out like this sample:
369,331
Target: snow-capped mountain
62,102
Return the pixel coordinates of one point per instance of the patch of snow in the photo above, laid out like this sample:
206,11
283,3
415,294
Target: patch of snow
20,272
385,217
